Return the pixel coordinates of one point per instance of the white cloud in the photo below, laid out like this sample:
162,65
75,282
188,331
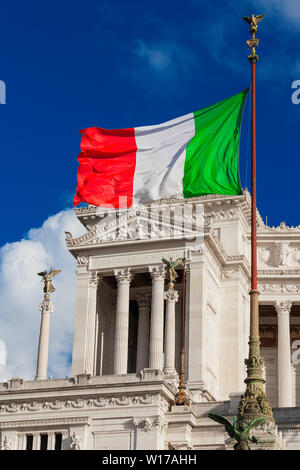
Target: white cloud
167,58
156,58
21,292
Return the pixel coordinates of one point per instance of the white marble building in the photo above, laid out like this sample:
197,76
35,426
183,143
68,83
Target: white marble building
126,346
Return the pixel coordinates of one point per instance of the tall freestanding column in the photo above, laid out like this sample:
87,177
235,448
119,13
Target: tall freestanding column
157,318
142,356
46,308
171,296
283,310
122,321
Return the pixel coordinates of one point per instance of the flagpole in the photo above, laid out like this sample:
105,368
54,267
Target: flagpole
181,398
254,402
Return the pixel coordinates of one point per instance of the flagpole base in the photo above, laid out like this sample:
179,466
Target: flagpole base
254,402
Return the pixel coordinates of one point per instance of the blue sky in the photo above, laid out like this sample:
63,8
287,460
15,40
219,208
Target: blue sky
73,64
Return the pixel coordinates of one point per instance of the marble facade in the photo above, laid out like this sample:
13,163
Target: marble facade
127,331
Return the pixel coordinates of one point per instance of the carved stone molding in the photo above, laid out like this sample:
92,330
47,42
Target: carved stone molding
24,423
150,424
283,228
230,274
6,444
75,442
82,259
279,288
279,255
99,402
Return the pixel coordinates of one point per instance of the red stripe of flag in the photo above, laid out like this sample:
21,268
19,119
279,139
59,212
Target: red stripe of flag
106,166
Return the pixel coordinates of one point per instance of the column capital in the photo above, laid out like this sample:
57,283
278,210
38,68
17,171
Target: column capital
143,300
283,307
94,279
123,275
157,272
171,295
46,306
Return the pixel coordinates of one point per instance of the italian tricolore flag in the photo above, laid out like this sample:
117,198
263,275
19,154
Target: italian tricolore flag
189,156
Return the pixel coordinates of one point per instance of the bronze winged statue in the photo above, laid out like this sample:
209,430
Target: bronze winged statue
48,286
171,265
253,21
238,431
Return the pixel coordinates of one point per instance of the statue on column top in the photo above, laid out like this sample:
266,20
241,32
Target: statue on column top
171,265
48,286
253,21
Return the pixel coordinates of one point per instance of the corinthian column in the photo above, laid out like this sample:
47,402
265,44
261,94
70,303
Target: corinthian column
46,308
284,353
91,323
171,296
122,321
157,318
142,355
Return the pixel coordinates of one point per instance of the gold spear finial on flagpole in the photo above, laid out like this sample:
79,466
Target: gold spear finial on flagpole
253,42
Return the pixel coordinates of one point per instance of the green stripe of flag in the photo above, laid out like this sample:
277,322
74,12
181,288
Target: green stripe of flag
211,163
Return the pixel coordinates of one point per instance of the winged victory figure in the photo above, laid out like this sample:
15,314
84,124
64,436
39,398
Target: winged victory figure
171,265
238,431
48,286
253,21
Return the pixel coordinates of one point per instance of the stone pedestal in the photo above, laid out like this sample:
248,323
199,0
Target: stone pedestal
180,426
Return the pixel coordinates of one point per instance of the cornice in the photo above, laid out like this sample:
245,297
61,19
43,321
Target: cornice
225,260
279,274
282,228
79,420
21,406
